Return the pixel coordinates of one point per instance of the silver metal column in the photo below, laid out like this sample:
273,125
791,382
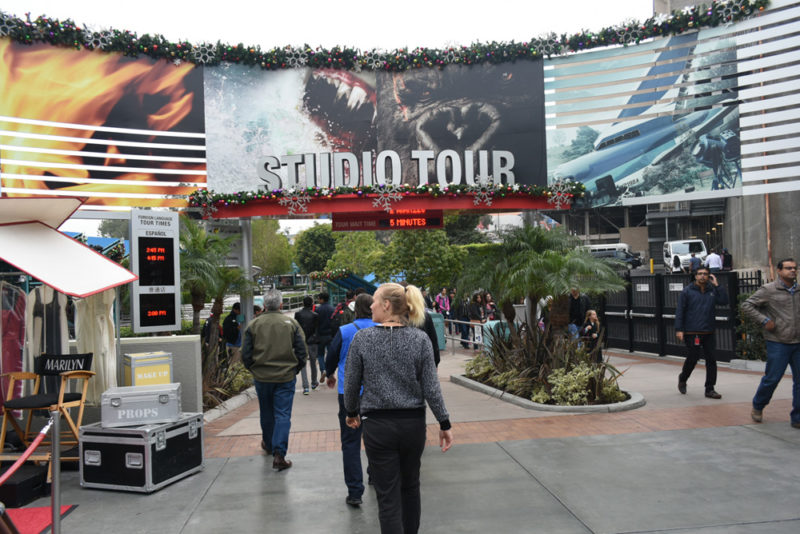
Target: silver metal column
246,298
55,472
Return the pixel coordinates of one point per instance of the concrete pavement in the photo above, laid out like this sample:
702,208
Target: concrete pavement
682,463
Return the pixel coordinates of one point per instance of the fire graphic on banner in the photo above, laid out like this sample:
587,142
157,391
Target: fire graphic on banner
119,130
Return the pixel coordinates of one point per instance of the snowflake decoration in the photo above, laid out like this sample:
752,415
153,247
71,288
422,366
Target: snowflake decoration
205,53
297,201
256,139
548,45
208,210
7,25
373,60
296,58
727,10
629,34
177,62
483,194
96,40
389,193
660,19
560,194
454,54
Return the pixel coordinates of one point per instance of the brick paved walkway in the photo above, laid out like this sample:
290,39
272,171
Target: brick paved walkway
524,428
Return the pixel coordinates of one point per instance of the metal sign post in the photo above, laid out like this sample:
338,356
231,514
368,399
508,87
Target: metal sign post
55,469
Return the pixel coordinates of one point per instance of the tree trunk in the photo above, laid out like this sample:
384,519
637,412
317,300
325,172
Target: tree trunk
510,314
212,358
508,311
559,312
198,304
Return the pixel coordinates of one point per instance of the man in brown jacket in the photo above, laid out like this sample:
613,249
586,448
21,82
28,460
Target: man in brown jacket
776,307
274,351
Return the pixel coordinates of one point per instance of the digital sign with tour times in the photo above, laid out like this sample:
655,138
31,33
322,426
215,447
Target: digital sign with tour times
411,219
156,261
156,309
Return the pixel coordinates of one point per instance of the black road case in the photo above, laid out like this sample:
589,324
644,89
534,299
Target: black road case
141,458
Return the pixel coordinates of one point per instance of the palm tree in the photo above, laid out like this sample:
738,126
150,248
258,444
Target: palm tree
202,257
534,263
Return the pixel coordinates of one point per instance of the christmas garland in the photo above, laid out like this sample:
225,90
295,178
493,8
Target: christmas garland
66,33
116,253
334,274
566,191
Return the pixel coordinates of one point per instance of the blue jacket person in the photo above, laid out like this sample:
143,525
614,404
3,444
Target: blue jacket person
694,326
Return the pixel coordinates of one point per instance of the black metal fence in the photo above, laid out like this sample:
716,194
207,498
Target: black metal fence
642,317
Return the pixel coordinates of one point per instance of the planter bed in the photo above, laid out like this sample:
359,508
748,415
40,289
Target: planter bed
635,400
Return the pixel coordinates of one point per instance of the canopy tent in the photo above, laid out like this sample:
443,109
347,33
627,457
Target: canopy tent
30,242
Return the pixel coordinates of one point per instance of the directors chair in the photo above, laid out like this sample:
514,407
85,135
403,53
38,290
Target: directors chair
60,383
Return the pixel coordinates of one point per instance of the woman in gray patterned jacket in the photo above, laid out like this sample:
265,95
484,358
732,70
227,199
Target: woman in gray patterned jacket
394,363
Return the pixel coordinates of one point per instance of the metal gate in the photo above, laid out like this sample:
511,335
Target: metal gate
617,320
642,317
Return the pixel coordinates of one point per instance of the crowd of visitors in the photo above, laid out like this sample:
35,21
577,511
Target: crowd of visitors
381,353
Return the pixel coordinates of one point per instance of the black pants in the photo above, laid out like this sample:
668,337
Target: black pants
394,448
700,346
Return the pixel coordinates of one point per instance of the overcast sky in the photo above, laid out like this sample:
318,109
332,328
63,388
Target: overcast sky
360,24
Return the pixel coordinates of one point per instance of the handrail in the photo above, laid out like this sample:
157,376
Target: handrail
25,455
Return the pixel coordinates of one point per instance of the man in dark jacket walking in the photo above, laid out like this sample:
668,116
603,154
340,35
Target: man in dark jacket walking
694,326
274,351
308,320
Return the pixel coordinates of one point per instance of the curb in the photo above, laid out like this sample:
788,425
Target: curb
229,405
750,365
636,400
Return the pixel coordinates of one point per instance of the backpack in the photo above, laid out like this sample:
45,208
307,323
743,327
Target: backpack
342,317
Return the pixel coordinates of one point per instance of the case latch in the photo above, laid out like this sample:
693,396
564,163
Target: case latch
193,428
161,440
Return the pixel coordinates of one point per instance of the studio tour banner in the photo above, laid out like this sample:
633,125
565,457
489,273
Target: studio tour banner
329,128
122,131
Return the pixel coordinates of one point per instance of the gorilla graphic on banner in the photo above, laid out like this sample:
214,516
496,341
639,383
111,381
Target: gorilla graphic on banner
466,109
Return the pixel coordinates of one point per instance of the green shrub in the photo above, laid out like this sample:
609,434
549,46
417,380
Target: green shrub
571,388
479,368
751,344
127,331
225,382
546,367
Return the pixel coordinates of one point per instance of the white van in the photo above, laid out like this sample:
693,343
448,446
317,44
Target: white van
683,248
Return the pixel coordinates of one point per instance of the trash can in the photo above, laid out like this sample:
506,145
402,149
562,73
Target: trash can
438,325
492,330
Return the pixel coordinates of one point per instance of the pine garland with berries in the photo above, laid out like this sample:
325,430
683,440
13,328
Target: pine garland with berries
202,198
67,33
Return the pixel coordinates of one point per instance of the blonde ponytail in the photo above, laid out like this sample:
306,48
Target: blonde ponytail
406,301
416,306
